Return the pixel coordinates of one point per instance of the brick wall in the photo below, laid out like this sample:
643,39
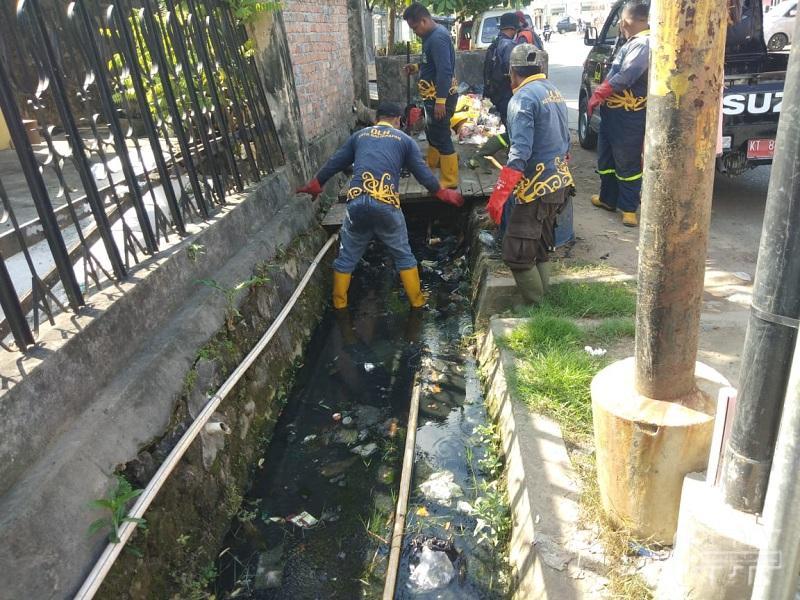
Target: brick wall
320,50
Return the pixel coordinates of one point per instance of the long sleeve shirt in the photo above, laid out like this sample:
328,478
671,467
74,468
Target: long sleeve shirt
629,69
438,65
378,154
539,134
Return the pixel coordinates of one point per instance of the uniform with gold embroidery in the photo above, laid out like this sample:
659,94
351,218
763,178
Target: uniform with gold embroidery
539,130
621,139
373,209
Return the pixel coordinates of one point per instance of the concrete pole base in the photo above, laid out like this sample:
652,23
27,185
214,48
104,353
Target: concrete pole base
646,447
716,548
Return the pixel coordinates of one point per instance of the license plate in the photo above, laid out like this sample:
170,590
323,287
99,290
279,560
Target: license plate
760,148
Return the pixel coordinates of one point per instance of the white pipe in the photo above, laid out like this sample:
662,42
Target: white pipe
779,554
112,551
213,427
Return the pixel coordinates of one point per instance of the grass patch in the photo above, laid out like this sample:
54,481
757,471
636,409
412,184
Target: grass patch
553,375
612,330
597,300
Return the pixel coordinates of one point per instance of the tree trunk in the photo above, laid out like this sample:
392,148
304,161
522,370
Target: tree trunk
390,29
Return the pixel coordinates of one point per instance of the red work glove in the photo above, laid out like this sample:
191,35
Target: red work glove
450,197
600,95
312,187
502,189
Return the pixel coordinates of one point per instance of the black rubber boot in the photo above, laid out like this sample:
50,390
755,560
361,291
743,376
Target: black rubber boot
529,284
544,275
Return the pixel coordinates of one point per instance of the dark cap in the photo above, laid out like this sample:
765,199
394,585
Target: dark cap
509,21
389,109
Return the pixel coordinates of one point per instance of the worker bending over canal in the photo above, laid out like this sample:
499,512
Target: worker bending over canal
622,100
378,154
437,88
533,186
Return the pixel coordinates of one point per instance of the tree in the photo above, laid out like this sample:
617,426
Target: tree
467,9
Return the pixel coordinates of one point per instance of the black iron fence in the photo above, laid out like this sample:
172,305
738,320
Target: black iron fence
128,119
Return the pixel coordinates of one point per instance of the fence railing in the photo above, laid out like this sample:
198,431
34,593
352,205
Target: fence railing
128,119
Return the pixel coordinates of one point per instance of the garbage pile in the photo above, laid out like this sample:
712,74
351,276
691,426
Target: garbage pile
474,122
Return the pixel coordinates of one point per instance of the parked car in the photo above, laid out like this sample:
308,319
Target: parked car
486,28
752,98
779,25
566,24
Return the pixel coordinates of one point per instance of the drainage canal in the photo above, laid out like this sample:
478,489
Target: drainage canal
317,522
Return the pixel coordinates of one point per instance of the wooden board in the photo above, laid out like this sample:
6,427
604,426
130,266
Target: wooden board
334,217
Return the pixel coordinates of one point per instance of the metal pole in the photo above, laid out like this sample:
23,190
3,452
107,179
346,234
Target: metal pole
772,328
779,558
686,79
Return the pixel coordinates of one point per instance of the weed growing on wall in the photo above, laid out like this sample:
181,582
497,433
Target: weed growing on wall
115,504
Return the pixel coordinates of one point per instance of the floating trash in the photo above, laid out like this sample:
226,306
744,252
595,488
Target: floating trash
433,571
441,488
304,520
368,367
309,438
365,450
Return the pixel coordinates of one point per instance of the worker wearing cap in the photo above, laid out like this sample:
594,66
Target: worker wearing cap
377,155
622,101
437,88
533,186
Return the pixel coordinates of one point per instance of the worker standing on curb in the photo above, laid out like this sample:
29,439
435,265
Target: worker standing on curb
622,99
437,88
533,186
378,154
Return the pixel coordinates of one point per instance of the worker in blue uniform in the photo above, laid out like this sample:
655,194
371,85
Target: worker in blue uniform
533,185
437,88
622,101
377,155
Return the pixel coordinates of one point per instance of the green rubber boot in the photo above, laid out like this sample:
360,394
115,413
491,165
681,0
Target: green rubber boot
529,284
544,274
492,146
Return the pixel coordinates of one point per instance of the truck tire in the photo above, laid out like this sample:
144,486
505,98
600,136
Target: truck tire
586,137
778,42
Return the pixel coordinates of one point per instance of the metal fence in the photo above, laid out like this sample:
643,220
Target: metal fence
128,119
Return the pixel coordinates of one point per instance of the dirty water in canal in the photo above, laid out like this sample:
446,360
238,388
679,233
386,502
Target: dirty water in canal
318,519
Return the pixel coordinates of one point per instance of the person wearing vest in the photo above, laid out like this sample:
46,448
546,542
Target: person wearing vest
526,35
533,186
437,88
622,101
377,155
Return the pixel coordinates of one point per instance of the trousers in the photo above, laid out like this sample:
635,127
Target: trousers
619,157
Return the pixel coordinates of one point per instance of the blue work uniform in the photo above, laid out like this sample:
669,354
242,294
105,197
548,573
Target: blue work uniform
505,45
377,154
538,126
621,139
437,83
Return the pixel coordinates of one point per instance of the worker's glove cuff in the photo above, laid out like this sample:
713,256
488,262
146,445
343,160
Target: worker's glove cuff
313,188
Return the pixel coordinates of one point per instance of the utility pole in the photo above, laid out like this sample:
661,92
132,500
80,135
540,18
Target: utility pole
720,534
653,414
772,328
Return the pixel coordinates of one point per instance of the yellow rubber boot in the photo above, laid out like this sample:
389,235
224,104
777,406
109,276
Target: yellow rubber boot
410,279
433,157
600,204
629,219
341,283
449,163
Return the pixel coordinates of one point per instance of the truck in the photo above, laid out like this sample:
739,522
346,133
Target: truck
752,95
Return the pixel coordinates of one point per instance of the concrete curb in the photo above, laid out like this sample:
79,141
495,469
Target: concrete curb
546,545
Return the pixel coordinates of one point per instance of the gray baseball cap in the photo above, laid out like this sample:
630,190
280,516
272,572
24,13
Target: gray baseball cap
524,55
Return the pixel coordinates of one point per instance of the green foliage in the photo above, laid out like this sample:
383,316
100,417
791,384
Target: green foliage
613,329
466,9
194,251
399,49
116,505
248,11
588,300
230,294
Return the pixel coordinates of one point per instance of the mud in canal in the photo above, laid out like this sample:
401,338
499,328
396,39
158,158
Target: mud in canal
317,521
